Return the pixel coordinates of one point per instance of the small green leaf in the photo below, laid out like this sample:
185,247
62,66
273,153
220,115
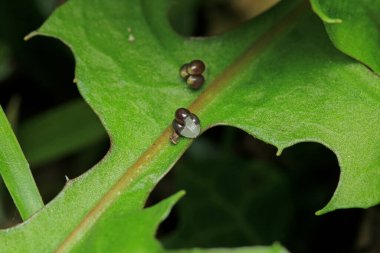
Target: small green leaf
358,35
15,172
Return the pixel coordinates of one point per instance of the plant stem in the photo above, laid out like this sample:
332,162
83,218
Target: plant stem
16,173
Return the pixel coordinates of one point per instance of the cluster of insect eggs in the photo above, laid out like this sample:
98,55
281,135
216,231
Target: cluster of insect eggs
185,124
192,73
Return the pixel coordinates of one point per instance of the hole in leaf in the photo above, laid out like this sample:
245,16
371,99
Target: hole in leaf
9,216
213,17
165,188
239,193
59,133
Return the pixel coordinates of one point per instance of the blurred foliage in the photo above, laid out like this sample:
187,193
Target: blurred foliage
5,64
226,169
252,197
54,127
67,129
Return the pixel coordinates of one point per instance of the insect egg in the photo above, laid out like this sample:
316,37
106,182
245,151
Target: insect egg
196,67
181,114
185,124
178,127
183,71
195,82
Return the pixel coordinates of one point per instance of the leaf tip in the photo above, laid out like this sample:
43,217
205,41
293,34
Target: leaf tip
319,212
324,210
317,8
277,247
31,35
180,194
333,20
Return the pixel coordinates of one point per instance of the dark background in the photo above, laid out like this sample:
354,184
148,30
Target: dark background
238,191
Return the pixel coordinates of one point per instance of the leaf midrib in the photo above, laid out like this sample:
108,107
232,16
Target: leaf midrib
220,82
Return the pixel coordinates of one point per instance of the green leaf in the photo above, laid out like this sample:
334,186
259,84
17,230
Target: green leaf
354,28
59,132
108,235
277,77
15,172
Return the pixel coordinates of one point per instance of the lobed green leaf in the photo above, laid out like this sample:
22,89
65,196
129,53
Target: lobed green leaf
278,77
354,28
